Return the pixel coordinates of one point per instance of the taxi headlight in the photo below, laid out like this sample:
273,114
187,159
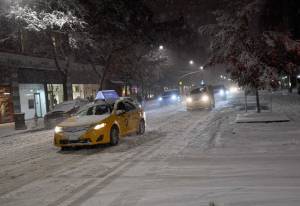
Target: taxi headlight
58,129
99,126
189,100
205,98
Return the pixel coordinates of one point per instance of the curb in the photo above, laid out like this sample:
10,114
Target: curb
24,132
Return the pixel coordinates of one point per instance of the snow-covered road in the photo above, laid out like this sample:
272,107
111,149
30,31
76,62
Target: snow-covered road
185,158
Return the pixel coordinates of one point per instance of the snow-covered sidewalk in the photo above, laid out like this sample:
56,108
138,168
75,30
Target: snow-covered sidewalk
8,129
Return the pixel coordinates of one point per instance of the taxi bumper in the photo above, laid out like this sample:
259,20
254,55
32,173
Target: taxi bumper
85,139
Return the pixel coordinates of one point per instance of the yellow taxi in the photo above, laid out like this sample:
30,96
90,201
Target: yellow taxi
100,123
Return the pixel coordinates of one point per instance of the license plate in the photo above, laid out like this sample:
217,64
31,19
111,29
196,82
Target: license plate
71,137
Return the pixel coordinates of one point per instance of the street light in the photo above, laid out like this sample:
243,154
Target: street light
201,68
161,47
191,62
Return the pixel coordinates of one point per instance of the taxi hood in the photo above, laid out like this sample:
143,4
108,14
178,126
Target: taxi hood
83,120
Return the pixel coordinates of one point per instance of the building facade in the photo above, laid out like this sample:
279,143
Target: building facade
33,85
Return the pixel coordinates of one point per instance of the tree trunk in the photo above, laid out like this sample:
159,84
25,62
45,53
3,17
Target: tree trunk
96,71
21,33
106,68
65,87
63,72
101,82
246,101
257,101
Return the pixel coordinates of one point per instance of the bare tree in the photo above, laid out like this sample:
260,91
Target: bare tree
60,28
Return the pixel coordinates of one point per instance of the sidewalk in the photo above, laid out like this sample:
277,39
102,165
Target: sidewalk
264,117
8,129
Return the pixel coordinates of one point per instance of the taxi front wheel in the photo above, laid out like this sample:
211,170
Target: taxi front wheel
114,135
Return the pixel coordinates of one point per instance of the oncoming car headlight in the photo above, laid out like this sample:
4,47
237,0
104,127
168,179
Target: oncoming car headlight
99,126
205,98
233,89
222,92
58,129
173,97
189,100
160,99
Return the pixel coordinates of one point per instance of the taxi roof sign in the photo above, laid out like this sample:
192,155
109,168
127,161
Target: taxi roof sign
107,95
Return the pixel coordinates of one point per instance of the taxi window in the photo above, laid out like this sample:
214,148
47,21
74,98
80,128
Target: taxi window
90,111
121,106
86,111
129,106
101,109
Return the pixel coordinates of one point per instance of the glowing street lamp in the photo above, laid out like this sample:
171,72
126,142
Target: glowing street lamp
201,68
161,47
191,62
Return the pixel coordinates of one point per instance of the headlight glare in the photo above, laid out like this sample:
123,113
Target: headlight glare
58,129
233,89
222,92
189,100
173,97
99,126
205,98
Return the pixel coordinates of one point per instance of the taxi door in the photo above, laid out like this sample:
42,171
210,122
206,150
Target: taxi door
123,119
133,116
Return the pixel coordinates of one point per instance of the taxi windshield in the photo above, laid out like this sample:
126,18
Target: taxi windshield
94,110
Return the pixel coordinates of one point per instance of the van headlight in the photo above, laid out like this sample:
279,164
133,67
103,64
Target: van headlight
205,98
58,129
99,126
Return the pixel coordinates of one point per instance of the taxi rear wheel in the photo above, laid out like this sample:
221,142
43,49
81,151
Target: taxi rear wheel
114,136
142,127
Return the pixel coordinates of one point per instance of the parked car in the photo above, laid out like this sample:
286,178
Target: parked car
62,111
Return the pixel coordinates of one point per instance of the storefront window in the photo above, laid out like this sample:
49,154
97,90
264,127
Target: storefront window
77,91
33,100
6,105
85,91
55,95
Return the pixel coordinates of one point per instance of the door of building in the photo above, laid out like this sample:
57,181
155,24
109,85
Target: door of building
38,105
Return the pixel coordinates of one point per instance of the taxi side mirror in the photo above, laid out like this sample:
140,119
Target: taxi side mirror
120,112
